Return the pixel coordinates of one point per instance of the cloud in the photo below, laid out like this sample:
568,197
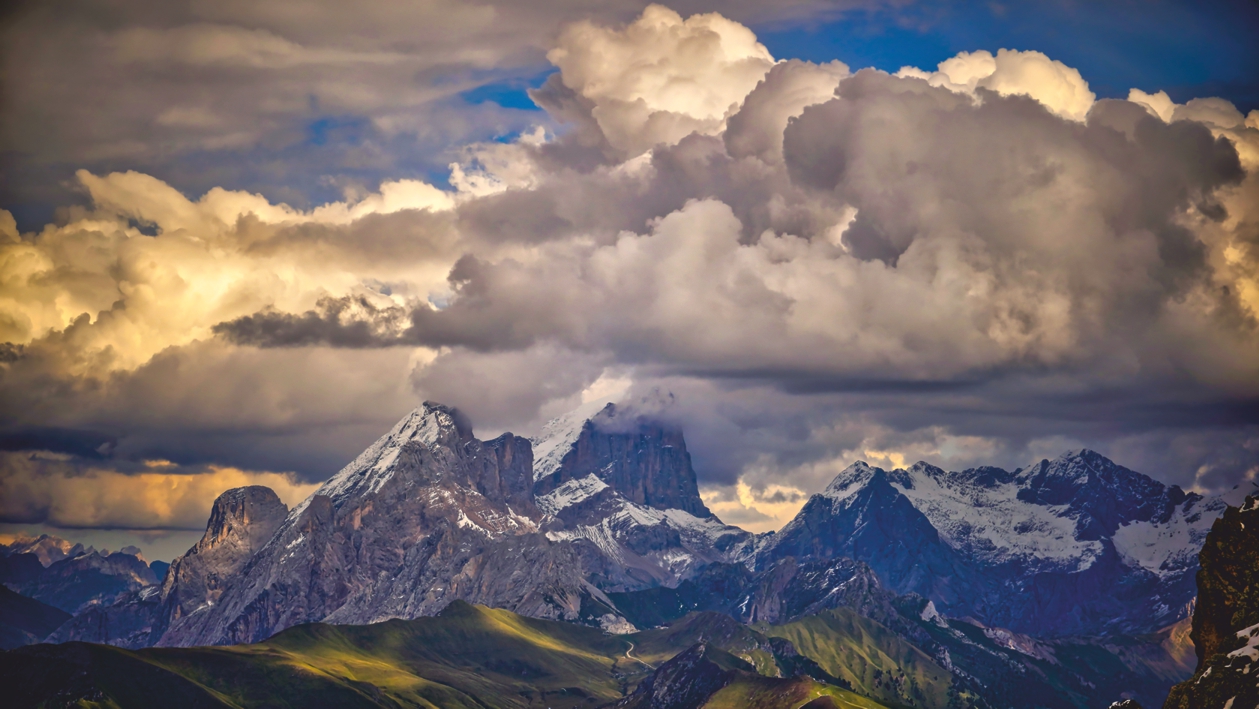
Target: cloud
980,265
1057,86
44,488
662,77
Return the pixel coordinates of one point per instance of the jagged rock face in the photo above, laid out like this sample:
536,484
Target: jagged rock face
643,460
1077,545
1097,493
790,590
1228,582
426,515
1226,617
78,583
47,548
241,522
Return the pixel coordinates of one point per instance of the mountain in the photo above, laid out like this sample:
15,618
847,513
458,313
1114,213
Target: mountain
78,583
787,590
429,514
25,620
46,547
645,461
1073,546
241,521
1226,616
465,657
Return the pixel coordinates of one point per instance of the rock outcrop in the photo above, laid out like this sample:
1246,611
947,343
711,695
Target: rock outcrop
1226,617
642,459
241,522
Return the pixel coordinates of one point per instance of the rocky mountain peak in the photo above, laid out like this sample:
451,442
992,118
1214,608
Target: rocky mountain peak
246,516
639,456
850,479
1100,494
241,522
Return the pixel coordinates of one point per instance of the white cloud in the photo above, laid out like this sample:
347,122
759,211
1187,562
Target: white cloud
661,77
1059,87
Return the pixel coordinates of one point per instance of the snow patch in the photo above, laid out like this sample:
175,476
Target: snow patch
1251,649
991,524
570,493
559,435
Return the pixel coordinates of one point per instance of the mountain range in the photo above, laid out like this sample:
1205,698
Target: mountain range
1076,571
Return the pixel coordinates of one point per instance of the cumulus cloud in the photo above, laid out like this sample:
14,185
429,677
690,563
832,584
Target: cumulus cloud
980,265
1059,87
662,77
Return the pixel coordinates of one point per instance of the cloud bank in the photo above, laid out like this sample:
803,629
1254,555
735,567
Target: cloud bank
982,263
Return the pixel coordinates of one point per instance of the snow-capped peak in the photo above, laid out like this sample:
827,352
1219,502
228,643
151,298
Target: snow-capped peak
850,480
434,425
558,436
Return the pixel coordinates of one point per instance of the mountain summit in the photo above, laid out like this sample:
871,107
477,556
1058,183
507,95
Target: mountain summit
1074,545
644,460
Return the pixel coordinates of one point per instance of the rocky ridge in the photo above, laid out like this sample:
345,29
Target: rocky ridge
429,514
1076,545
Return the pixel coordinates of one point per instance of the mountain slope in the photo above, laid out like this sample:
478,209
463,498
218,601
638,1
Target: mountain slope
467,656
25,620
874,660
1077,545
429,514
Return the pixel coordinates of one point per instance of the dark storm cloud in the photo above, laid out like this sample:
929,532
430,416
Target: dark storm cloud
88,444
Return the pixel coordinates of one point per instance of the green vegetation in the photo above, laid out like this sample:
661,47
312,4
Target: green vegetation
469,657
874,660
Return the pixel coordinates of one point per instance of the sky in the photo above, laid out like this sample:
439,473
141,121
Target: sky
241,239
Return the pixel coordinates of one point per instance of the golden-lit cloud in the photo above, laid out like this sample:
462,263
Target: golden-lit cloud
761,510
45,488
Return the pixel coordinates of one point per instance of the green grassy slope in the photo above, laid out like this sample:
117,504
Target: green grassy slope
874,660
468,657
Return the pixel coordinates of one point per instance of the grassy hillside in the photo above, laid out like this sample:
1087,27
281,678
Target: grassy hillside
874,660
468,657
25,620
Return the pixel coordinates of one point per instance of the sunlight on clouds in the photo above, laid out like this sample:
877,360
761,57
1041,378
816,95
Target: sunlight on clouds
662,77
225,255
1059,87
760,510
45,488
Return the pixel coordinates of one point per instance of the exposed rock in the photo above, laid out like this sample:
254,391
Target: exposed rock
426,515
644,460
241,521
1077,545
688,680
1226,616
